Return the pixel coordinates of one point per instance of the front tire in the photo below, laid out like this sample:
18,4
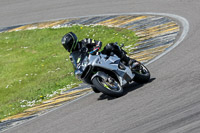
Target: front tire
112,89
95,89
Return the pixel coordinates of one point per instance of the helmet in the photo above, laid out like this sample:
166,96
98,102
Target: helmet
69,41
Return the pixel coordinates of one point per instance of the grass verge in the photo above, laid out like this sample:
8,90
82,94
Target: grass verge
34,66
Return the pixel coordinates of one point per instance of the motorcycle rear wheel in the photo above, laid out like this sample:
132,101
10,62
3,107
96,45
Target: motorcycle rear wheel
142,75
112,89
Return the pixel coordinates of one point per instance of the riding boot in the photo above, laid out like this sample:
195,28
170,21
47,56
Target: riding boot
131,63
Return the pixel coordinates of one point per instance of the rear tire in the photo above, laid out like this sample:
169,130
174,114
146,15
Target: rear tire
102,86
142,75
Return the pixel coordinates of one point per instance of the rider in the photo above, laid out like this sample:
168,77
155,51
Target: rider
71,44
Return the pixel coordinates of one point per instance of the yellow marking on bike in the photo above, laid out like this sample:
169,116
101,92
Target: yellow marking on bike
78,60
106,86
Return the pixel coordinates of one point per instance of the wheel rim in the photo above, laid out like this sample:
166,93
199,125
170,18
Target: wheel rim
114,86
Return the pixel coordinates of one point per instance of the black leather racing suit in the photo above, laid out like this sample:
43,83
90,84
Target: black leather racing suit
93,46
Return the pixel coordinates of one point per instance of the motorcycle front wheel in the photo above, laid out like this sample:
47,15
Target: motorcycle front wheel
111,88
95,89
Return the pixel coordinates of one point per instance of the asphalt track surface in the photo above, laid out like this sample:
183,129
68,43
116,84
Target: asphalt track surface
168,104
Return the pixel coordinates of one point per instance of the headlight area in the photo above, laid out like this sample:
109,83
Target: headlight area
84,63
86,72
82,68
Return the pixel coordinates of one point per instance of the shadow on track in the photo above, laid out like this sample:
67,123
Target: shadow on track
127,89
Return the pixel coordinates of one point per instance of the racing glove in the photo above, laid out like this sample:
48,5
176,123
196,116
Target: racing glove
96,48
94,51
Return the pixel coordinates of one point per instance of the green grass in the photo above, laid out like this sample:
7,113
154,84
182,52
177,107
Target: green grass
34,66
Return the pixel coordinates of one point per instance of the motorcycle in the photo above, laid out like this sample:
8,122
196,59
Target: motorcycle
106,74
